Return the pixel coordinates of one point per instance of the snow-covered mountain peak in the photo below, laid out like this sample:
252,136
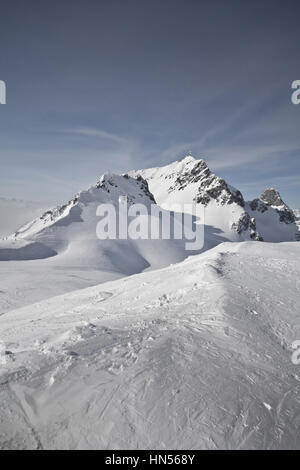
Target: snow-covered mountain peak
135,189
108,189
188,159
209,186
189,180
271,197
175,187
271,200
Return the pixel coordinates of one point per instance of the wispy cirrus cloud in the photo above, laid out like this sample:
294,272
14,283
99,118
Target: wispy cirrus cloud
283,181
221,157
229,157
99,133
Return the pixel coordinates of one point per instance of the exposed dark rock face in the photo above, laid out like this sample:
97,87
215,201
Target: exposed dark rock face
210,186
258,205
53,214
145,188
286,216
106,183
244,223
272,198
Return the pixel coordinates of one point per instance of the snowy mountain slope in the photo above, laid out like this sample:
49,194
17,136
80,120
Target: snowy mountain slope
15,213
276,221
297,216
70,231
107,190
203,361
225,208
60,251
191,180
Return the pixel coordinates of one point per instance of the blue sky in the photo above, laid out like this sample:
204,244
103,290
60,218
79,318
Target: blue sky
100,85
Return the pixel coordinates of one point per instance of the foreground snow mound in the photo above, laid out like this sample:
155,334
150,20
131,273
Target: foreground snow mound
203,361
190,180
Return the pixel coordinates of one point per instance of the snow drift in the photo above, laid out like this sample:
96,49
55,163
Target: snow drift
193,356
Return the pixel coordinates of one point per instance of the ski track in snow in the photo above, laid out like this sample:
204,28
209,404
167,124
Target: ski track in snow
195,355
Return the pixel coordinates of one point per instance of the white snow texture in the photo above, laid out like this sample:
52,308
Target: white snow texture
139,344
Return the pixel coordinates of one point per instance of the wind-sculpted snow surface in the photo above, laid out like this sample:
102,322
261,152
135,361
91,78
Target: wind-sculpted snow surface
195,355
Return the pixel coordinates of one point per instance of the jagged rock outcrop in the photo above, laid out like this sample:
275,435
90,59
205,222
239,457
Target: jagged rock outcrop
297,217
210,186
108,189
190,180
107,181
244,223
271,198
258,205
225,213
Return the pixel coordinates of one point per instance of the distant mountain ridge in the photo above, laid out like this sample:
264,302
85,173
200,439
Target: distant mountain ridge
187,181
297,216
61,250
68,233
266,218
